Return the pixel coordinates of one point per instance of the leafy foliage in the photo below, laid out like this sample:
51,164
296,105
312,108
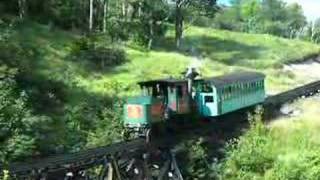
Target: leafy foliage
263,153
198,165
313,32
100,57
269,16
22,133
109,127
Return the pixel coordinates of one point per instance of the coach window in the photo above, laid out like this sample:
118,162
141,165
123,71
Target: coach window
226,93
223,95
235,90
260,84
242,88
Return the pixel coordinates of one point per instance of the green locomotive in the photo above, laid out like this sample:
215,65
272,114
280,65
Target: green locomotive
163,100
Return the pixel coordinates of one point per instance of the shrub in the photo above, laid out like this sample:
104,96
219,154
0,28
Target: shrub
100,57
264,153
109,126
198,166
250,155
106,57
22,133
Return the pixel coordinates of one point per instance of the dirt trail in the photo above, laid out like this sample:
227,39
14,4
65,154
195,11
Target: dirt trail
308,69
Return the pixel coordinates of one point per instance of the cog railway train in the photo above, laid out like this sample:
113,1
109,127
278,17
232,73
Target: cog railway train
162,101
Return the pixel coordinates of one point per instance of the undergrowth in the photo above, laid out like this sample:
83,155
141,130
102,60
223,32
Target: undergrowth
265,153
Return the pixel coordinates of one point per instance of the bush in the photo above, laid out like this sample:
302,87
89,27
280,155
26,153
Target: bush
98,56
264,153
225,20
251,155
22,133
196,161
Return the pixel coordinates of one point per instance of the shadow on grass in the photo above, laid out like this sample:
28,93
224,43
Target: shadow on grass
225,51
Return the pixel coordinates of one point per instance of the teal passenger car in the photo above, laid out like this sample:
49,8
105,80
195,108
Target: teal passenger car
217,96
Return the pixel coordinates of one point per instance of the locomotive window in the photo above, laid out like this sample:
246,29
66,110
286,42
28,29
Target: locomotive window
171,89
208,99
154,92
157,91
179,91
206,88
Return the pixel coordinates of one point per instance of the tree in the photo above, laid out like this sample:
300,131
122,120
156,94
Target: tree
105,14
21,133
296,20
22,8
313,31
273,10
91,15
200,6
179,21
267,16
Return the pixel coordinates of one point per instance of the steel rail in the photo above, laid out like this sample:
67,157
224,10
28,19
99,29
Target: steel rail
73,160
293,94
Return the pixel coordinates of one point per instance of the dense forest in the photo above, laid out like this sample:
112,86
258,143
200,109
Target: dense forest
43,113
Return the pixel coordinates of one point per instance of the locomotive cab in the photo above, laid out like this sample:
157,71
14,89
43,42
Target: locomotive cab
174,94
160,100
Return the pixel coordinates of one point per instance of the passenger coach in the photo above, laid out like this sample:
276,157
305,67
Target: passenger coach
220,95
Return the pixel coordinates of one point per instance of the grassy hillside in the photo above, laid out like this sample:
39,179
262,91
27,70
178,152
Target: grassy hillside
221,52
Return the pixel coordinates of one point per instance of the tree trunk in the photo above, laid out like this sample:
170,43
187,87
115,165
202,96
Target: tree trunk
140,9
125,9
91,16
22,8
105,15
178,23
151,24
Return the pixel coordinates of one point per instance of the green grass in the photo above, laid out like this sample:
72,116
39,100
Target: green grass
288,149
222,52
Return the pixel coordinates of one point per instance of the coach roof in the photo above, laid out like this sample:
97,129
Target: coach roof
221,81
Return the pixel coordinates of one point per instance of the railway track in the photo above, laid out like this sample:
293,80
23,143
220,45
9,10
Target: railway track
285,97
92,157
75,161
